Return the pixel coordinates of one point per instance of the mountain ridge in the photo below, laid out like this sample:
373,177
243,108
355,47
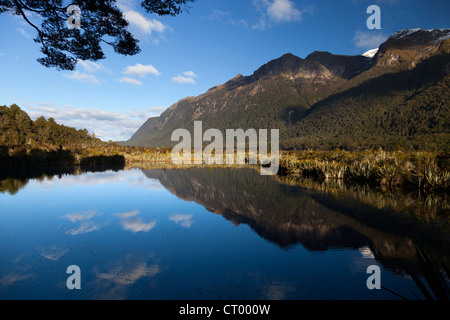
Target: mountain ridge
285,92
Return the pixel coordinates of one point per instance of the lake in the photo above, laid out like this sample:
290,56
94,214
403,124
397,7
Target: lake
218,233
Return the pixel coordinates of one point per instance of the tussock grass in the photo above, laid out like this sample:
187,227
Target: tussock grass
395,169
422,170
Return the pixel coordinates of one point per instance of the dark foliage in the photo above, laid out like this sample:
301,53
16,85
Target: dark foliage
17,128
101,22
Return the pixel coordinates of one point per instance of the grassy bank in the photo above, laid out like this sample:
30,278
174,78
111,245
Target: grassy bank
424,171
399,169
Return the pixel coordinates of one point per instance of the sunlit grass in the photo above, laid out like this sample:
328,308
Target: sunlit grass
422,170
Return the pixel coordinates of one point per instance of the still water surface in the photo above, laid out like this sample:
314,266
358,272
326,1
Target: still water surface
205,234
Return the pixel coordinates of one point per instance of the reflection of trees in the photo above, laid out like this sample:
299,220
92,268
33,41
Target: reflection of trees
435,274
12,179
289,214
424,206
12,186
15,180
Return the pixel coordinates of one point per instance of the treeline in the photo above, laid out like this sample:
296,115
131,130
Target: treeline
18,129
27,145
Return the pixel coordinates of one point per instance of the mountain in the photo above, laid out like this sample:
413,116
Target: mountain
394,96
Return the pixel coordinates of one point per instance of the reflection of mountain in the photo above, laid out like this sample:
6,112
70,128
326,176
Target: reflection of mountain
288,215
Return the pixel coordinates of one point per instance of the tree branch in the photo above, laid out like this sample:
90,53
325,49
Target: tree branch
19,6
55,8
111,44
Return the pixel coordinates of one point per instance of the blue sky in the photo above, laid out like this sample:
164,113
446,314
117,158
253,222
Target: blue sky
188,54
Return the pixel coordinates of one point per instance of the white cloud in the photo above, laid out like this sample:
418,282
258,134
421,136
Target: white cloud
131,81
218,15
283,10
90,67
107,125
138,70
82,77
276,11
190,74
146,26
125,5
368,39
224,17
183,80
143,114
140,25
71,113
141,71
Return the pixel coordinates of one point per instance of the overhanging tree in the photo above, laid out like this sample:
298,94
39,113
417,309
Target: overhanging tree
101,22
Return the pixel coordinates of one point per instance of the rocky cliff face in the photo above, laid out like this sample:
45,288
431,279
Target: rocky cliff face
408,47
345,67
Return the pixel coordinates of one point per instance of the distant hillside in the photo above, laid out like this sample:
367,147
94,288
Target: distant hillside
396,97
17,129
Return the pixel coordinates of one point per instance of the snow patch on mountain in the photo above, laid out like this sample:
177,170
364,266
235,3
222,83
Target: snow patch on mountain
437,35
370,53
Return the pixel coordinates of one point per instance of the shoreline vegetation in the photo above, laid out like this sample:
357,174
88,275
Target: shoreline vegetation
419,170
414,182
32,148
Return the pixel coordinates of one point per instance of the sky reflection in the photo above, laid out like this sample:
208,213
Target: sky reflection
192,234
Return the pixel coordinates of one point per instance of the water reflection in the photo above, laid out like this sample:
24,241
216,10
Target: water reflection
321,218
424,206
53,253
115,279
184,220
142,234
137,225
83,222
